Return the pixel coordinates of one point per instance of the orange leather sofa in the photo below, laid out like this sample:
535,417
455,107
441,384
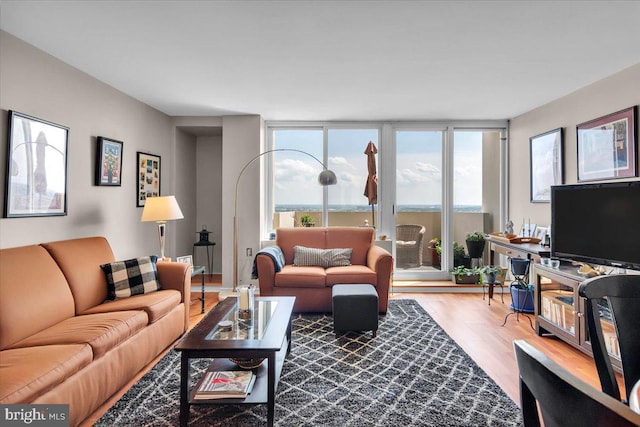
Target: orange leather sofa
311,285
60,342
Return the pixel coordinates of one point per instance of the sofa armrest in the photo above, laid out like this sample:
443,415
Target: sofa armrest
177,275
381,261
266,274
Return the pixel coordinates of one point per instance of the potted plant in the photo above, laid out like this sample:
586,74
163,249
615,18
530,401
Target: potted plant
307,221
521,291
434,250
491,273
475,244
465,275
459,256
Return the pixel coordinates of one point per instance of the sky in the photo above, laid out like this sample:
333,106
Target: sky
418,166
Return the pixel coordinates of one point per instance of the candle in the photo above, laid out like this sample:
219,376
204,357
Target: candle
244,298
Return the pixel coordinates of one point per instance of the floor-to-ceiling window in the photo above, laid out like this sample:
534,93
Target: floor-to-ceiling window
442,178
348,206
419,198
296,198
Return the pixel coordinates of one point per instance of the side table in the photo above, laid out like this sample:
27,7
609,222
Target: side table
201,271
206,245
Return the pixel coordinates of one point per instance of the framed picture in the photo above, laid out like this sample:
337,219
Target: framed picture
607,147
109,162
148,177
540,232
545,164
187,259
36,181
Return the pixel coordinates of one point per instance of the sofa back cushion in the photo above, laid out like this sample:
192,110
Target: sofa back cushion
34,294
80,261
359,239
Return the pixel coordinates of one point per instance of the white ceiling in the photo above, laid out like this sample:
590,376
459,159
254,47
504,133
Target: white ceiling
337,60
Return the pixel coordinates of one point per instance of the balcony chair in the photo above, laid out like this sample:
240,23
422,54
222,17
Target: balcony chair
409,245
564,400
623,294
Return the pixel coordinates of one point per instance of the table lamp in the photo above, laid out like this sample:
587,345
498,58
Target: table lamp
161,209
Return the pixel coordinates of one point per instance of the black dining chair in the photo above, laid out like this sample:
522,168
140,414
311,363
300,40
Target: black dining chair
623,293
564,400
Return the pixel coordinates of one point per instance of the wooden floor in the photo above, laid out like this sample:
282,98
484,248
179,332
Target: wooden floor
468,320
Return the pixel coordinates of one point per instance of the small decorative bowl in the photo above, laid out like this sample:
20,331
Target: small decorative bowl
248,363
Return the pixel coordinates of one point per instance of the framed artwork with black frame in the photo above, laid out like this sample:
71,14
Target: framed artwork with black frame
148,172
36,180
607,146
546,169
109,162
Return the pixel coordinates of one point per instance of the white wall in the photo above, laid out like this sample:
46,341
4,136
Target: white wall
242,140
35,83
185,190
614,93
209,195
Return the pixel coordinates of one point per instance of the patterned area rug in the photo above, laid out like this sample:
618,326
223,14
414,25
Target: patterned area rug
411,374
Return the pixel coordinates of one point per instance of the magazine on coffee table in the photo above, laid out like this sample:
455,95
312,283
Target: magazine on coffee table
225,385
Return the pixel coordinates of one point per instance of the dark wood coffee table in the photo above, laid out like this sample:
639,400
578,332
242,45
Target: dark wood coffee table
267,336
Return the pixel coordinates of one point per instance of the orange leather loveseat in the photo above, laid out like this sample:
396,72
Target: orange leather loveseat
60,342
311,285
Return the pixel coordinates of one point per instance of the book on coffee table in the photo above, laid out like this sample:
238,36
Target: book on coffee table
225,385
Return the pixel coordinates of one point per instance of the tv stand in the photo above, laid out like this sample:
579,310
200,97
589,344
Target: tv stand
561,311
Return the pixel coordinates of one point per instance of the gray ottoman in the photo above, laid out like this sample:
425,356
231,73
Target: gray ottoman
355,308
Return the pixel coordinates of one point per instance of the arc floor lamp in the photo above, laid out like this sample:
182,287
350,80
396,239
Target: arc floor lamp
326,177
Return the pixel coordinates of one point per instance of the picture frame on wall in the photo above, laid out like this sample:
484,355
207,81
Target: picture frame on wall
607,146
546,165
37,174
148,177
109,162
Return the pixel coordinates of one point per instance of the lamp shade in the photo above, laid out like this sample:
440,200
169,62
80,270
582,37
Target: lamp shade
162,208
327,177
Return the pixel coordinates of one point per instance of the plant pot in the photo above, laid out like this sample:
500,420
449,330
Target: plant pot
466,261
519,266
464,279
434,257
522,299
490,277
475,248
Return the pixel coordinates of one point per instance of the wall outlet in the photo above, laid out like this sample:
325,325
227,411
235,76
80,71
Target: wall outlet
249,252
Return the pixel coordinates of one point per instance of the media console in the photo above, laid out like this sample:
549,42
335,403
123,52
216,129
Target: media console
561,311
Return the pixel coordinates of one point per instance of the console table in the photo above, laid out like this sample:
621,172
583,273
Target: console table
532,251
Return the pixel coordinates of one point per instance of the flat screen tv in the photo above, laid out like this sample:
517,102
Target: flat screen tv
597,223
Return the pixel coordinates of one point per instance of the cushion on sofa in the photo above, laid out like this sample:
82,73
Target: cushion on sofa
156,304
102,331
130,277
358,238
34,294
351,274
29,372
303,256
80,260
301,277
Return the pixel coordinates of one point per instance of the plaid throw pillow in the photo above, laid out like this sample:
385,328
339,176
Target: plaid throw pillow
303,256
131,277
